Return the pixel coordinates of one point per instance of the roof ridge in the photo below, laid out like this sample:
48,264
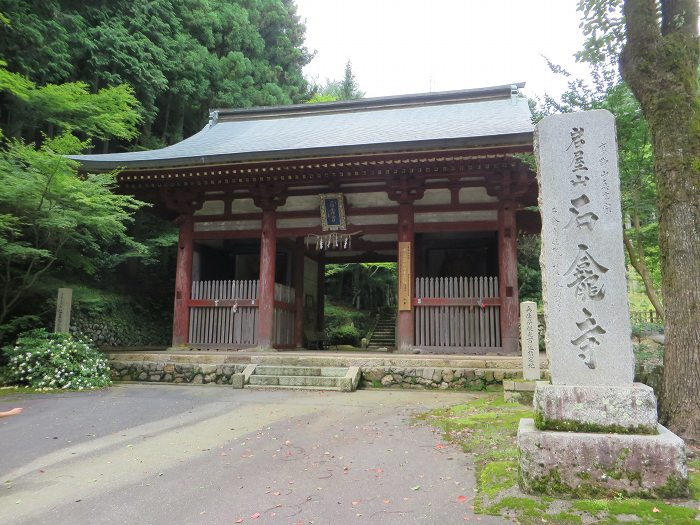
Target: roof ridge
374,103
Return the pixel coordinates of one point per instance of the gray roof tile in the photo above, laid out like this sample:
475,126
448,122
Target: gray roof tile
382,123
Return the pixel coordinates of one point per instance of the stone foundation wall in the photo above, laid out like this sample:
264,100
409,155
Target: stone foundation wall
372,377
441,378
158,372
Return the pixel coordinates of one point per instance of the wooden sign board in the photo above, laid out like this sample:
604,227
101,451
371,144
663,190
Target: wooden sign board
63,306
405,276
332,212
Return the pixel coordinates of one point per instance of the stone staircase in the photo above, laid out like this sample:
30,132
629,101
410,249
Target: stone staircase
344,379
384,335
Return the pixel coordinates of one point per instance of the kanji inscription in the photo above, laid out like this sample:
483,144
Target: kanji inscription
583,272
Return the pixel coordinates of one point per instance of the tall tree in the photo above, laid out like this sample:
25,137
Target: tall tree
181,57
52,217
345,89
660,64
659,54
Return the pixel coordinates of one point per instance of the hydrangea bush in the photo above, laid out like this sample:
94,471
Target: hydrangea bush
41,359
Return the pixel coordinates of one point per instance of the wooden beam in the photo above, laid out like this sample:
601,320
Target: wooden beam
368,229
353,212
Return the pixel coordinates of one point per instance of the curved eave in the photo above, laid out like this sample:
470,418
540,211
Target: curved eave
518,141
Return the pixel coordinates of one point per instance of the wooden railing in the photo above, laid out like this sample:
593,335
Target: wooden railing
645,317
224,314
454,313
283,321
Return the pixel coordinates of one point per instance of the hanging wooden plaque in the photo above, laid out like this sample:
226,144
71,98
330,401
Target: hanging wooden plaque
405,276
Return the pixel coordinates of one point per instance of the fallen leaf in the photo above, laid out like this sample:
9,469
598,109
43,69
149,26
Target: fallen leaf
417,487
439,445
255,516
462,499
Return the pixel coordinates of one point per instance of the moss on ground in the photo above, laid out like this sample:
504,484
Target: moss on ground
565,425
486,428
16,390
694,478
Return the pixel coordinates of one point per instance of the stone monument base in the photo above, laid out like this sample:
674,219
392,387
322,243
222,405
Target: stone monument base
626,410
582,464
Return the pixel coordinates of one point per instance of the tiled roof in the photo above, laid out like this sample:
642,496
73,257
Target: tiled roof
485,116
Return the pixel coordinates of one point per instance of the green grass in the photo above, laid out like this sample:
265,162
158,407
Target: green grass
14,390
486,428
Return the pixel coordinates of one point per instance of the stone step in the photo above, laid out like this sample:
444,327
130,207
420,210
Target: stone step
344,379
300,371
316,381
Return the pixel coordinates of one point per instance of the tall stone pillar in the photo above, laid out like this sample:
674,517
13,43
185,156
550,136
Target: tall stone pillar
183,281
508,275
592,418
266,290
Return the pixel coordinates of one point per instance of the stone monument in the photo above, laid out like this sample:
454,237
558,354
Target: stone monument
595,431
529,341
63,306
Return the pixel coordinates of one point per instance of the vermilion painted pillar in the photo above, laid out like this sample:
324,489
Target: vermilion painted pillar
321,287
298,269
183,282
508,275
266,290
404,321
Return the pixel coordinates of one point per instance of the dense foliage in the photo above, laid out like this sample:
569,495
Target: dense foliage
362,285
181,57
346,326
54,219
55,361
345,89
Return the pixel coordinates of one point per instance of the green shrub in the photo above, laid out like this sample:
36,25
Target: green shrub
346,325
41,359
346,334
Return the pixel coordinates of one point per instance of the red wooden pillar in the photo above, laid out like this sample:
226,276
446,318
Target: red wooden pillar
321,287
266,290
298,268
404,321
508,275
183,282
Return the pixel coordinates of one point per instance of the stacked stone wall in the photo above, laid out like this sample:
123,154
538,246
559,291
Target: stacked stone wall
372,377
158,372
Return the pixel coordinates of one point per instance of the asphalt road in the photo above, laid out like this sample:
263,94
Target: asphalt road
168,455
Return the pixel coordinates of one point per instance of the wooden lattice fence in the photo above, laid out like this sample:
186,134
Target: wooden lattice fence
454,313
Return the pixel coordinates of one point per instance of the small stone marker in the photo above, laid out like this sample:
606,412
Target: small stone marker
583,265
592,419
529,341
63,307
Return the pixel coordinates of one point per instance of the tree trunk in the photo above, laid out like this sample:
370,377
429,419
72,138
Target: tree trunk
636,255
660,65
